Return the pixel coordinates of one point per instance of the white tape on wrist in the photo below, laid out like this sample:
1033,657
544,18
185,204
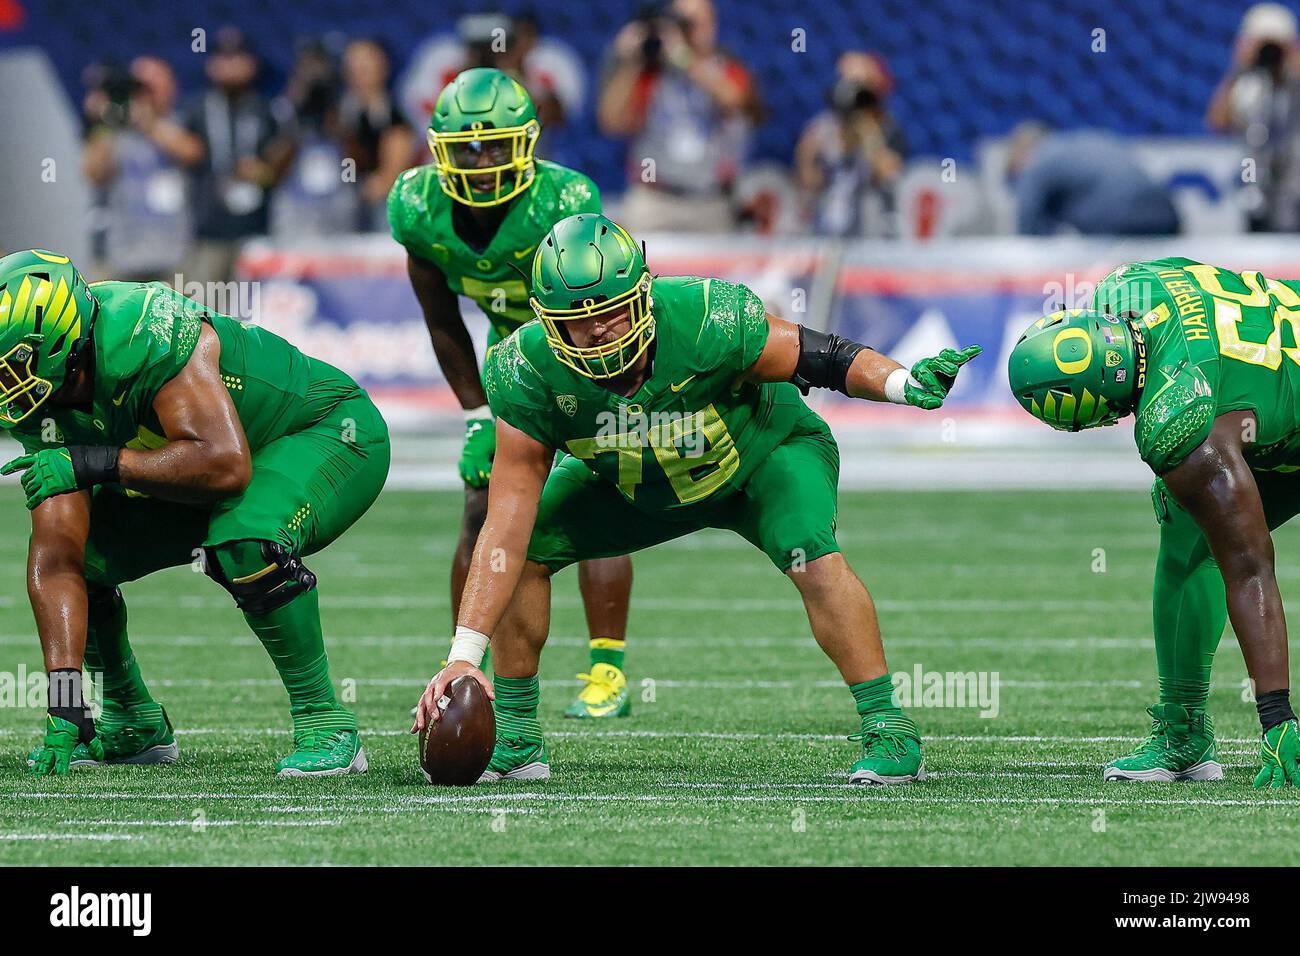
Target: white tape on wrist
468,645
477,414
896,385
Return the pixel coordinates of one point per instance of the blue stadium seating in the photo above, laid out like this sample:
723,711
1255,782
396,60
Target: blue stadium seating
964,68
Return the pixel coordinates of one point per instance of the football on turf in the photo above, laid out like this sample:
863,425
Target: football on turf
455,749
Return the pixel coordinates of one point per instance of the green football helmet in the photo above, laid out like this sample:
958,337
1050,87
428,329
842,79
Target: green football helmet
1077,369
589,266
484,111
46,312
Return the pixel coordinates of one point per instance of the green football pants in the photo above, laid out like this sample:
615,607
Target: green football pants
307,488
786,508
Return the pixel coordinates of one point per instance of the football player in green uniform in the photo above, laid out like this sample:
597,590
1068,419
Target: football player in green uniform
159,434
673,397
470,223
1209,362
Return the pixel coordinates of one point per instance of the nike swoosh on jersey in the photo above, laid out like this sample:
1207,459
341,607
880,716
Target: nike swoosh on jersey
526,252
678,386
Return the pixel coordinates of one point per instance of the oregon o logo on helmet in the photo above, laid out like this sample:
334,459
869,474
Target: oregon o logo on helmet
1075,367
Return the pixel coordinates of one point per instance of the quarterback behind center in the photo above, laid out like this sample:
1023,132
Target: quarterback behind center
156,435
673,398
1209,362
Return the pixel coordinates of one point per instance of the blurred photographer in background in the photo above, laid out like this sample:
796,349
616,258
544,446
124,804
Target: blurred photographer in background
374,132
140,222
513,45
849,157
687,109
1259,101
235,156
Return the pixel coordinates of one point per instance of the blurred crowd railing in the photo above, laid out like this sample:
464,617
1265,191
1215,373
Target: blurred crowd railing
349,302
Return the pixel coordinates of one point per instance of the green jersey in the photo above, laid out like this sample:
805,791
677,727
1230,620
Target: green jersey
420,215
1216,341
144,333
692,433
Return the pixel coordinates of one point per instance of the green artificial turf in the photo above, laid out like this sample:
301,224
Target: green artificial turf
735,750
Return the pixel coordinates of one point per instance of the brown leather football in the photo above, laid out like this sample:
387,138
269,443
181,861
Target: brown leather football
455,750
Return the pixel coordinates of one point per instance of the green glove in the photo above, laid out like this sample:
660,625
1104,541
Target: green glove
1280,751
47,473
934,377
476,456
61,739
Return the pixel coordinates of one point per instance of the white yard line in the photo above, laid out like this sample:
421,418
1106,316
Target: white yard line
601,733
95,837
1011,645
667,682
916,795
789,602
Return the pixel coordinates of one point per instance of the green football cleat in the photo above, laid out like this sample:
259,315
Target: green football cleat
324,753
891,751
1179,747
605,694
143,735
520,752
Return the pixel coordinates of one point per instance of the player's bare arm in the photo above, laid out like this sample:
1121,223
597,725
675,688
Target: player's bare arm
1217,488
451,340
826,360
56,585
207,456
520,471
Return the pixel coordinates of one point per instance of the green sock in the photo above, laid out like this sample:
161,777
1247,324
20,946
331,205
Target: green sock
1192,694
607,650
1190,611
108,652
516,706
875,696
292,636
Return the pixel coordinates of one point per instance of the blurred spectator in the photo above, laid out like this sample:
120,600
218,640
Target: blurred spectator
142,227
234,155
1259,100
848,158
687,108
374,133
547,67
1086,181
509,44
317,195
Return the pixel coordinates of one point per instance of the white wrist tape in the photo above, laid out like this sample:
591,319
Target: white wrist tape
468,645
896,386
476,414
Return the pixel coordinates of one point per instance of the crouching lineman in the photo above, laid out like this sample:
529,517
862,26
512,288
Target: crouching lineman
673,399
159,434
1201,356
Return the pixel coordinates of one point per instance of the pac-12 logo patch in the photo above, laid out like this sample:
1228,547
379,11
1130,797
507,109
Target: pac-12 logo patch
1112,358
567,404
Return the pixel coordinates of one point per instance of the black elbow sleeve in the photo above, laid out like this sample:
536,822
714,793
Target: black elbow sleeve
824,360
